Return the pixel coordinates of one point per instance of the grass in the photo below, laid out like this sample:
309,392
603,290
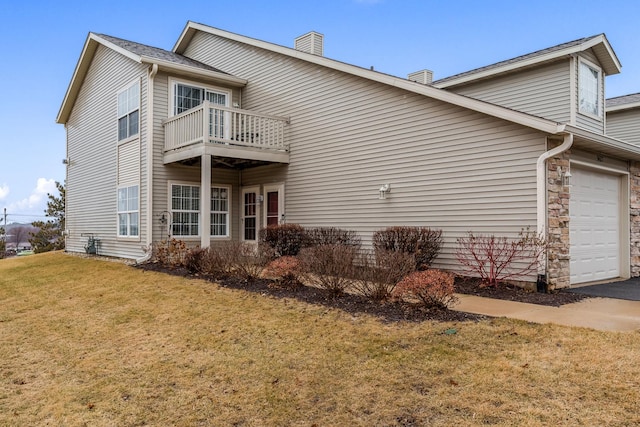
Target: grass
88,342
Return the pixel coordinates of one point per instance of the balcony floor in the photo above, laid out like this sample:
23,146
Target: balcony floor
235,156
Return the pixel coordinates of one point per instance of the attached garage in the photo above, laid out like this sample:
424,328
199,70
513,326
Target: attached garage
596,226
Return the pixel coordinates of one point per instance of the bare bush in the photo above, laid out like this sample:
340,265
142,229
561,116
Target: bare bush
285,271
170,253
376,276
496,259
318,236
329,267
284,239
423,243
433,288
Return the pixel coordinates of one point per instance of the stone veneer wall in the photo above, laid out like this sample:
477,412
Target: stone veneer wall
558,256
634,220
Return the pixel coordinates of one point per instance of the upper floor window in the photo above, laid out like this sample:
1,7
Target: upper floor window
187,96
128,214
128,111
589,89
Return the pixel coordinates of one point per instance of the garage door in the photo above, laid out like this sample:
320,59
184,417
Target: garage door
594,226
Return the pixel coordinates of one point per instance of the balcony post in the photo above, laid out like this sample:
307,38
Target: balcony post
205,201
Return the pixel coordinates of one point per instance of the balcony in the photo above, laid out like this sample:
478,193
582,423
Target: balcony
225,133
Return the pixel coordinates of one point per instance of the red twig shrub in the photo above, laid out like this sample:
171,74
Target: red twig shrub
284,239
284,270
377,276
423,243
496,259
329,267
433,288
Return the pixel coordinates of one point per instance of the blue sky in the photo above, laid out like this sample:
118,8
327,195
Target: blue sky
42,41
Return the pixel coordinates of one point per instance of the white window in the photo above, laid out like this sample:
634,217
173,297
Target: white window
128,111
220,211
185,210
187,96
128,215
589,89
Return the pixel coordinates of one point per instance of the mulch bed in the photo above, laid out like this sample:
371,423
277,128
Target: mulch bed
394,311
472,286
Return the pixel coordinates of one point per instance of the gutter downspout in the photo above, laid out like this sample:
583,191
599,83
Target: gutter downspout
542,187
149,237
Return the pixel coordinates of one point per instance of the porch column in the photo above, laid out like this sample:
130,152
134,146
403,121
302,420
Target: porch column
205,201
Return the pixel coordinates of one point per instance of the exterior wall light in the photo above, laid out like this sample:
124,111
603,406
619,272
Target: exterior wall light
565,177
386,188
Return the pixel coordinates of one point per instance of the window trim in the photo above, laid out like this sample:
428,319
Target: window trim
119,116
172,211
229,189
599,89
173,82
128,212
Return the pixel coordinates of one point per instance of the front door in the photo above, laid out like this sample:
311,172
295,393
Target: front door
274,204
250,218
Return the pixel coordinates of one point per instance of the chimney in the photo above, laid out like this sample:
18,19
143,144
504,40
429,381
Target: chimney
311,42
423,76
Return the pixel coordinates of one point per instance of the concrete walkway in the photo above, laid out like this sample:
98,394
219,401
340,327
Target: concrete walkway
604,314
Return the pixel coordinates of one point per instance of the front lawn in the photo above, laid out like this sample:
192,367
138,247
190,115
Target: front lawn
89,342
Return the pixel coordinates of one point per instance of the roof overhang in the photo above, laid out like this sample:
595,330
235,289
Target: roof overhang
600,45
623,107
528,120
89,50
603,144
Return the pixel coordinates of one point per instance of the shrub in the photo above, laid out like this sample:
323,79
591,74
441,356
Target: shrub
195,260
496,259
170,253
244,260
329,267
284,239
433,288
423,243
285,270
318,236
376,276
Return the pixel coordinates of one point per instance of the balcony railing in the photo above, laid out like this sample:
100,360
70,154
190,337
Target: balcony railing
215,124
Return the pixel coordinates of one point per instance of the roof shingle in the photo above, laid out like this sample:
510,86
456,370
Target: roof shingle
157,53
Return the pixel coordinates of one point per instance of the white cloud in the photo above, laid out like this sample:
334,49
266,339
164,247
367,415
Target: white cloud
4,191
38,194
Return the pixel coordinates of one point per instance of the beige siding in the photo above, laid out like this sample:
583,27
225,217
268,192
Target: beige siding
92,147
129,163
448,167
543,91
625,125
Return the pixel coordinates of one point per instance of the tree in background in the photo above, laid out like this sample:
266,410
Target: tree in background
20,234
50,235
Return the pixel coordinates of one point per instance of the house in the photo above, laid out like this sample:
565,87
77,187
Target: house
226,134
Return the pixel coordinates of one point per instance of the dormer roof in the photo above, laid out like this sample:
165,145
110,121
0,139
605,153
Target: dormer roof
600,45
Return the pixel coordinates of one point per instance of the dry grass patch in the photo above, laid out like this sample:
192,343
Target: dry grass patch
86,342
